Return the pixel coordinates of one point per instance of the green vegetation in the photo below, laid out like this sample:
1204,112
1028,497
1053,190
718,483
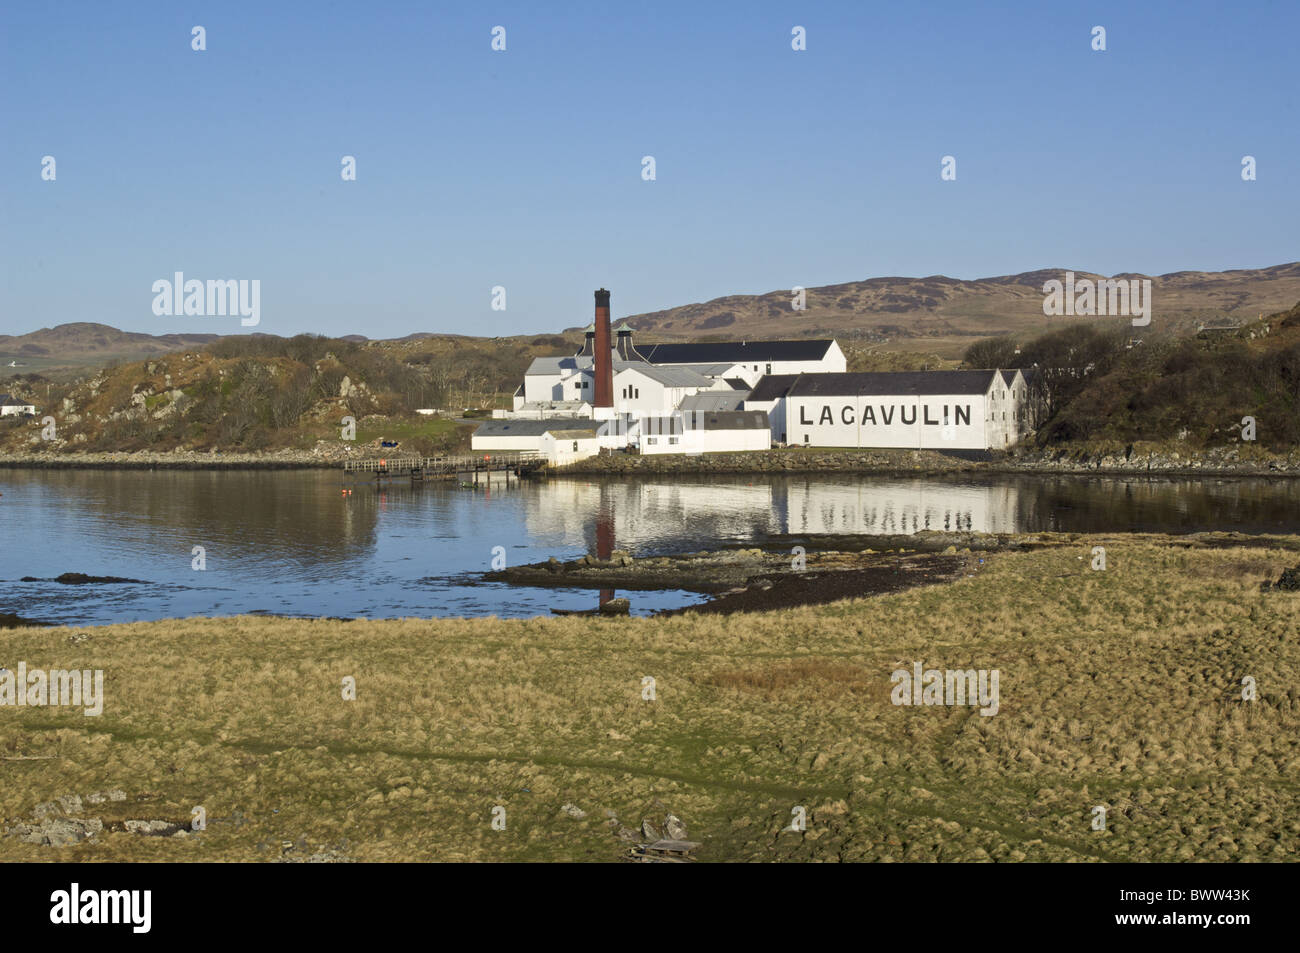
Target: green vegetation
1120,688
261,392
1193,389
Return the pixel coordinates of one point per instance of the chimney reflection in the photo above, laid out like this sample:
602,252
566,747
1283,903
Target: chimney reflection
605,536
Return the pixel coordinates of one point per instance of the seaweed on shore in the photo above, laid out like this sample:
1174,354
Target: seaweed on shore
81,579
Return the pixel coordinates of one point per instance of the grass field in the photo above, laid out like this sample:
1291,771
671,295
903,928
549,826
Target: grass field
1120,688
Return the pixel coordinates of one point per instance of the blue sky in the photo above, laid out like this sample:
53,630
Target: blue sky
522,168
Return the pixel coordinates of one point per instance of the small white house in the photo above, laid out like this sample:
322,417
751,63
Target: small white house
561,447
11,406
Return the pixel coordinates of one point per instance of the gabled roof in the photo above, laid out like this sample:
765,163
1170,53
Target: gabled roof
713,401
772,386
735,352
737,383
891,383
708,370
737,420
554,365
704,420
668,376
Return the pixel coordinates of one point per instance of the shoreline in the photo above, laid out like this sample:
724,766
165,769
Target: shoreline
1067,461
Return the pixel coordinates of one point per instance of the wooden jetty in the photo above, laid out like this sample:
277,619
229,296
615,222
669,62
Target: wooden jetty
517,462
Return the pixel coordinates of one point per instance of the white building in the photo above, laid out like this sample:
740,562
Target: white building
753,359
522,434
654,380
939,410
705,432
11,406
562,447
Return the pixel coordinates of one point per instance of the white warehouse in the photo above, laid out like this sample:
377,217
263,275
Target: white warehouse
937,410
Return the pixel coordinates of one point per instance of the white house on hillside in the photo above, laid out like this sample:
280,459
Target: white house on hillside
11,406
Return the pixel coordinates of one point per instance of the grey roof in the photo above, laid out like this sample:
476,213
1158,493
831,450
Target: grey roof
772,386
737,383
668,376
553,365
709,370
703,420
8,399
531,428
736,420
736,352
890,383
1009,376
713,401
582,434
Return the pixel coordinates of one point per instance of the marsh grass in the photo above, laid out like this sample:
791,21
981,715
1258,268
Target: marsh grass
1120,688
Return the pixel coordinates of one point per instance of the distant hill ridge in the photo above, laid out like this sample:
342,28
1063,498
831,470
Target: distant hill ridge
935,313
895,308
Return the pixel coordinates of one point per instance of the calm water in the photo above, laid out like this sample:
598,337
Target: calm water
293,543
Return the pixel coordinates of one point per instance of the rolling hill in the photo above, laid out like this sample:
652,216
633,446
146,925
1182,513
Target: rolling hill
83,344
944,315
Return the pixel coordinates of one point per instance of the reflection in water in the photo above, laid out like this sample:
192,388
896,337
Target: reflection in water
295,543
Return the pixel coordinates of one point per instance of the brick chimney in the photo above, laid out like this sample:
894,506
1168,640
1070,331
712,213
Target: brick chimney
603,365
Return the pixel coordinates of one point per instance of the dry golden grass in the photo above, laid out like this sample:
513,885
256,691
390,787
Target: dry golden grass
1120,688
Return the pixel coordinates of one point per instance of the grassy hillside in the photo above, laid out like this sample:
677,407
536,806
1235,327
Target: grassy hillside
1120,688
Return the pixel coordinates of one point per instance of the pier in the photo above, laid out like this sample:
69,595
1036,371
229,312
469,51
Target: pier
517,462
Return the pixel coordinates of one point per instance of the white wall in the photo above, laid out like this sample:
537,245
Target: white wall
561,451
902,506
775,410
883,421
13,410
691,440
834,363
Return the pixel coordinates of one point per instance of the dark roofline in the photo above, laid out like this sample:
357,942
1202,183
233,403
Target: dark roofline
890,383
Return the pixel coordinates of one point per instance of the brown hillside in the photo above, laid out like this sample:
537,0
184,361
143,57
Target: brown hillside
944,315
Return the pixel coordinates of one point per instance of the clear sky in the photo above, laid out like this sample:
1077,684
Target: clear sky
523,168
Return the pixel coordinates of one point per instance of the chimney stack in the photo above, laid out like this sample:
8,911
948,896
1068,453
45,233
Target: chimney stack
603,368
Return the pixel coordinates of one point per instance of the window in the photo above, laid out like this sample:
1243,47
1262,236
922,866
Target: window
652,440
769,368
575,446
674,439
805,438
